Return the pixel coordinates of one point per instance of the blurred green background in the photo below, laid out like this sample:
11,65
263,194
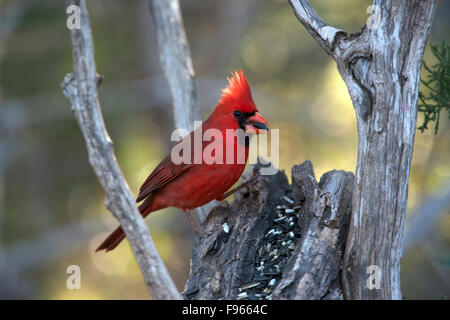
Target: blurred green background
52,211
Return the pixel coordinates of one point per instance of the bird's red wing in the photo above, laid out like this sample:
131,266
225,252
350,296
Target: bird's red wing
165,172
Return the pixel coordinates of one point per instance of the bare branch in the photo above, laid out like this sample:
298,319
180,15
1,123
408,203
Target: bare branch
27,255
81,89
323,33
176,62
10,17
350,53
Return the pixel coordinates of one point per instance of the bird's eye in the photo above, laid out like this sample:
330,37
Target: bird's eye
237,113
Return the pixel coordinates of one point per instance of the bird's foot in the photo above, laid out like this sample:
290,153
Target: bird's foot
242,186
200,235
197,233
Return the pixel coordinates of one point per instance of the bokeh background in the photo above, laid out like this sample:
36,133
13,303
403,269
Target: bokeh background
52,211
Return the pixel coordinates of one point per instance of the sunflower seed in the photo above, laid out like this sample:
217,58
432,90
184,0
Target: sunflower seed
242,295
250,285
271,263
225,227
270,273
261,277
288,199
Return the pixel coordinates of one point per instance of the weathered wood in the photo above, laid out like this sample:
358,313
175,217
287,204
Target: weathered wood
309,252
176,62
315,270
391,78
175,58
80,87
381,68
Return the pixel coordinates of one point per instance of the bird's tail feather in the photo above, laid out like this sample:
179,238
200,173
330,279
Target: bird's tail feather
116,237
112,241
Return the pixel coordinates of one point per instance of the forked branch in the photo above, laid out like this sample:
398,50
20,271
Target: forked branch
81,89
326,35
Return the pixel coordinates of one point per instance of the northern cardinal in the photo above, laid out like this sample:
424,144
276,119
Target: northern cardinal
191,185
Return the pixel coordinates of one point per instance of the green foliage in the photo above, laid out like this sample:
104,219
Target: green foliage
437,83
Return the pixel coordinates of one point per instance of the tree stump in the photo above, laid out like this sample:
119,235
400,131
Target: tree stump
275,241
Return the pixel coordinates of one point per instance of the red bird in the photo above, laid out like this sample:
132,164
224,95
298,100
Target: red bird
193,184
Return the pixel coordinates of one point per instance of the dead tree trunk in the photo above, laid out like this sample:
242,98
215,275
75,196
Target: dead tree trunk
381,67
276,240
336,250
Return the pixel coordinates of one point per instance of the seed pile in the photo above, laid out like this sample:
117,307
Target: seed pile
276,249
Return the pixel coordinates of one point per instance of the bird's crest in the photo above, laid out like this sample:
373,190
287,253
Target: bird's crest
238,89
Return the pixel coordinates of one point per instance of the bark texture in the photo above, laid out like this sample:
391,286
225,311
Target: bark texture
175,58
381,68
275,241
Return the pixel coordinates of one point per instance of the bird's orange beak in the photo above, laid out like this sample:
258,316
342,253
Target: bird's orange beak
256,124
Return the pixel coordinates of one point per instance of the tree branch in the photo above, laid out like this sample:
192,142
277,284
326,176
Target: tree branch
350,53
81,89
10,17
175,58
326,35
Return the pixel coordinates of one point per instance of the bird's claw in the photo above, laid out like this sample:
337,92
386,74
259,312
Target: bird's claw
200,235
